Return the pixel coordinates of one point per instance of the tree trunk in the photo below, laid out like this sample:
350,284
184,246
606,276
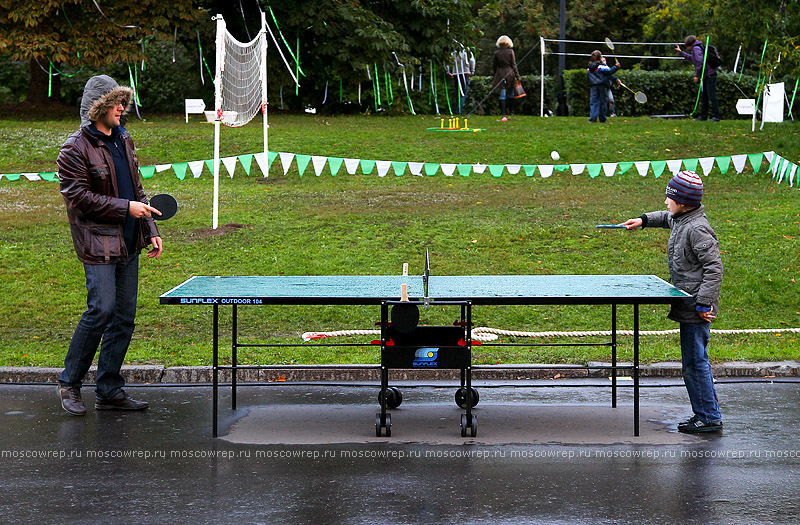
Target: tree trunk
38,87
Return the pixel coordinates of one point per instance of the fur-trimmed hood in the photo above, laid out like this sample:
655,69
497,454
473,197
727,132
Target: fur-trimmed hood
100,94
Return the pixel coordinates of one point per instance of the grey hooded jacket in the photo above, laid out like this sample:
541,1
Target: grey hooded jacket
695,264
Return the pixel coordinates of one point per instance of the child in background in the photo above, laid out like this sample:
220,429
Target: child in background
599,74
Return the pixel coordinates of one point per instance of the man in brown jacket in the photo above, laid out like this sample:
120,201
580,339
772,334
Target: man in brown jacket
111,222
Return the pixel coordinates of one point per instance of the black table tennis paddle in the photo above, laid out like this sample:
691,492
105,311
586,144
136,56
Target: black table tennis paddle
405,317
166,204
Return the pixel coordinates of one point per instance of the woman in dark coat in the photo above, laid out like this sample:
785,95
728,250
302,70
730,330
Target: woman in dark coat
505,72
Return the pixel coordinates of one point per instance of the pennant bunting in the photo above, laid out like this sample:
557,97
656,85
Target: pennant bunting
35,176
448,169
513,169
197,168
577,169
609,168
12,176
263,163
739,162
302,163
180,169
319,164
286,161
496,169
707,163
367,166
792,173
642,166
210,165
674,165
162,167
351,165
594,169
690,164
416,168
464,169
774,164
530,169
147,172
546,170
623,167
479,168
399,168
50,177
783,170
383,167
431,168
723,163
335,163
658,167
561,167
246,161
755,161
230,165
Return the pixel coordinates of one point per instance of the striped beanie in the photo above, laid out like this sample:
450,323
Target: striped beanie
686,187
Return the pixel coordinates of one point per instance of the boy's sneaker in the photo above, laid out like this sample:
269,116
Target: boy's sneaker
71,400
121,401
695,426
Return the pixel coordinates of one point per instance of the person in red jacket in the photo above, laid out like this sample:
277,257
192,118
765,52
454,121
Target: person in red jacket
111,222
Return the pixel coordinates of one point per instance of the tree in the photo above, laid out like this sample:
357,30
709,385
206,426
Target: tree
56,34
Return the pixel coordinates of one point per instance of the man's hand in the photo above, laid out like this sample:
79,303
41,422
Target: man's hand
618,64
633,224
678,48
158,247
696,80
707,316
137,210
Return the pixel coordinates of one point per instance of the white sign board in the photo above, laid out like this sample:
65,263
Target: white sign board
773,103
746,106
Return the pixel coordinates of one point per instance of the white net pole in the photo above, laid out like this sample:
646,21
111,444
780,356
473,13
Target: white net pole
541,95
220,65
264,82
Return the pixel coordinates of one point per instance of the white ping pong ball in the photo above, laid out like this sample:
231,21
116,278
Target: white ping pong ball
554,155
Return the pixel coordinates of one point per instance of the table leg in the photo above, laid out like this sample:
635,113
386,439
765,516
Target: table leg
214,369
635,369
234,336
613,356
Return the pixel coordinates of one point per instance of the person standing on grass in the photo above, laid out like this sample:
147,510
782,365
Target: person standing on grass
695,54
600,78
504,64
110,221
695,266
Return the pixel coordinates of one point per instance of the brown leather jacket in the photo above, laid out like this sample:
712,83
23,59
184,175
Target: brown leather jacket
96,213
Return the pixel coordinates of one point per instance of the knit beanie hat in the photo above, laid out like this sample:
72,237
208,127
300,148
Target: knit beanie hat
686,187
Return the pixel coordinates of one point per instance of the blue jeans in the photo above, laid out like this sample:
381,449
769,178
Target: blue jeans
697,371
597,103
110,312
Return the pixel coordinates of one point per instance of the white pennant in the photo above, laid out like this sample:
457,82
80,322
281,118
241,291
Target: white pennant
776,165
609,168
319,164
162,167
263,164
791,174
479,168
783,171
674,165
545,170
351,165
513,168
739,162
416,168
32,176
230,164
286,161
577,169
707,163
448,169
197,167
383,167
768,155
642,166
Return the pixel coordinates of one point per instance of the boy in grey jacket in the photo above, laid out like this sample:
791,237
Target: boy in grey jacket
695,266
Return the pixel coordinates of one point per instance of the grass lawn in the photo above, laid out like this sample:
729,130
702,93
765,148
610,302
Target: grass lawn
357,224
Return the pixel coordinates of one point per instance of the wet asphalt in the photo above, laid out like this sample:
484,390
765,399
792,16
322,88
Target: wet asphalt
303,453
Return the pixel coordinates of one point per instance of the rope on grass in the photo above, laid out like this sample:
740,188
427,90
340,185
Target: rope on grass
486,334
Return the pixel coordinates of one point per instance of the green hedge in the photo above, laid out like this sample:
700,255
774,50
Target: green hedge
668,92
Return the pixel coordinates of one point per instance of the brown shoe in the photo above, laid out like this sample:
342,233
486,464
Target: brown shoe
71,400
120,402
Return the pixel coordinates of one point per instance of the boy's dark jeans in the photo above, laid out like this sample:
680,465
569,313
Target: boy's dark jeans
697,371
110,313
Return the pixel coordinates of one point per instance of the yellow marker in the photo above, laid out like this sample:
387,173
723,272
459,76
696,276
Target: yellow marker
466,126
442,123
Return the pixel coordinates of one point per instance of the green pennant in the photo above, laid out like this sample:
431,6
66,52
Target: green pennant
658,167
594,169
367,166
13,176
777,174
690,164
431,168
399,168
496,169
302,162
50,177
623,167
271,155
723,163
246,161
465,169
210,165
561,167
529,169
755,161
180,169
775,159
334,163
147,171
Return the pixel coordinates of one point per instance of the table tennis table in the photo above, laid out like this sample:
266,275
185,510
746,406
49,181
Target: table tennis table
466,291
